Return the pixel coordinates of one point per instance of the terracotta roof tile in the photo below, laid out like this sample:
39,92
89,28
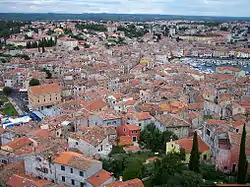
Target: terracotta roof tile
143,115
187,143
45,89
125,140
129,183
95,105
18,143
74,160
99,178
238,123
21,180
132,127
131,148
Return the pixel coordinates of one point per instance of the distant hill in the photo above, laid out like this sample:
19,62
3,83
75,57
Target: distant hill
111,17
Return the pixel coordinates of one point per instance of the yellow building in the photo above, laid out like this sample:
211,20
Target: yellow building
44,96
186,144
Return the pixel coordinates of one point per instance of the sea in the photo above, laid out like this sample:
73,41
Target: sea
209,65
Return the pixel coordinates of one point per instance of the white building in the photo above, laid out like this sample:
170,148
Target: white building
68,43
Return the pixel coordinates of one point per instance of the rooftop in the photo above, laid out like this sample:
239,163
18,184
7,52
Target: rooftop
45,89
74,160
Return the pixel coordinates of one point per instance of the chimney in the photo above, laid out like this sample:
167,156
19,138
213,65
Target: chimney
120,178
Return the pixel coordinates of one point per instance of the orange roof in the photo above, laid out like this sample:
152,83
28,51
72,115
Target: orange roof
96,105
165,107
239,123
45,89
125,140
187,143
131,148
130,102
64,157
215,122
18,143
99,178
21,180
152,159
129,183
132,127
143,115
75,160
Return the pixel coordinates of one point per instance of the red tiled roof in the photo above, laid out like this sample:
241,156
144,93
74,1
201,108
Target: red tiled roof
21,180
125,140
129,183
131,148
99,178
239,123
215,122
18,143
187,143
132,127
45,89
96,105
130,102
143,115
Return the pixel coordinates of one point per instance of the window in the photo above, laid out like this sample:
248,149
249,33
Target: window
62,168
4,162
76,143
44,100
204,157
237,130
234,168
101,147
139,124
56,98
71,170
38,159
72,181
82,184
45,170
81,173
208,132
38,101
63,178
134,138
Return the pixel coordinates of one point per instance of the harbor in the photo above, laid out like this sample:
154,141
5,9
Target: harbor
209,65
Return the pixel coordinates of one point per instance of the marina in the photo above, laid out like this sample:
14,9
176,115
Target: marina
209,65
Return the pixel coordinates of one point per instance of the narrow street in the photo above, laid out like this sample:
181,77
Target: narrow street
19,111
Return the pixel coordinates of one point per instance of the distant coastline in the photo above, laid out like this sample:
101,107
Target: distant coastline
112,17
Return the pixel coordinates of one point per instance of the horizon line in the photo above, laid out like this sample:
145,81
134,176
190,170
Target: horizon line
121,14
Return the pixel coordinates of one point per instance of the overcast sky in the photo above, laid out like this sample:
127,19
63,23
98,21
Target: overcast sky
170,7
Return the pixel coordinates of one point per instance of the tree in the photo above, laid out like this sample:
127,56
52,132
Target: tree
7,90
165,168
34,82
116,164
133,170
195,155
152,138
242,164
186,178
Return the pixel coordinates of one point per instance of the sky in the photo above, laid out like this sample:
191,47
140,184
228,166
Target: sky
234,8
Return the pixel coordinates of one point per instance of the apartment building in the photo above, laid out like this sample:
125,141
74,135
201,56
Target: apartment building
44,96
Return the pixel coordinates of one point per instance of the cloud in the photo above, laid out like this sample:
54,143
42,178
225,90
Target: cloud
175,7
